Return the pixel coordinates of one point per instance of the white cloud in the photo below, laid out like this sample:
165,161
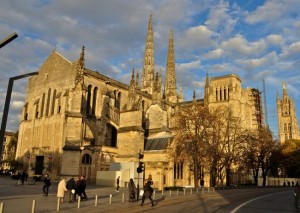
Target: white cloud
198,37
270,11
275,40
291,51
251,64
17,104
239,46
214,54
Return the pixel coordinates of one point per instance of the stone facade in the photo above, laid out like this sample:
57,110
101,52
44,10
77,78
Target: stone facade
78,121
287,120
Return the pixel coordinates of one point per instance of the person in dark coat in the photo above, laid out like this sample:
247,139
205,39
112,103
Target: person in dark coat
118,184
84,197
23,177
47,184
132,190
148,191
71,186
79,187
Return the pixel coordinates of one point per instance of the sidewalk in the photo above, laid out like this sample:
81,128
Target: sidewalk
24,198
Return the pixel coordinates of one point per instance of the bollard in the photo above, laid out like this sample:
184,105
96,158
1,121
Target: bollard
197,191
78,204
1,208
170,192
123,197
110,197
162,192
96,200
202,190
191,191
33,206
58,203
184,191
208,189
177,192
153,195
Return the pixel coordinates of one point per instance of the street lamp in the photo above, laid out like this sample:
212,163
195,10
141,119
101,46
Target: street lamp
6,106
8,39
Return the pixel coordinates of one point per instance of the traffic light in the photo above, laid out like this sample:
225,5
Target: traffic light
140,168
140,156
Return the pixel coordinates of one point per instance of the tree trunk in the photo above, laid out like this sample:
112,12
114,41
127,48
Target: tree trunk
196,176
228,180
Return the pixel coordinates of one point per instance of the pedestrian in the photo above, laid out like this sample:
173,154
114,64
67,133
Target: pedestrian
297,193
79,187
47,184
84,187
118,184
61,189
71,186
23,176
132,190
148,191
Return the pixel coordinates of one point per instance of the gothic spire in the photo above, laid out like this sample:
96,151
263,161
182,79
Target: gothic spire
80,68
148,69
170,81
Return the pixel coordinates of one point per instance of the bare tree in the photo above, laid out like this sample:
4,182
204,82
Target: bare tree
192,124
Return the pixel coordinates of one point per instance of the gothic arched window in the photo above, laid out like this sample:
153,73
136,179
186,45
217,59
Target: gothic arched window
43,105
86,159
48,102
88,100
53,102
94,100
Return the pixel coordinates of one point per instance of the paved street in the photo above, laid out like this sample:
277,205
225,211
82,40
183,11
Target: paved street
17,198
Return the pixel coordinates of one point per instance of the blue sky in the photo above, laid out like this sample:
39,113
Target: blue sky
254,39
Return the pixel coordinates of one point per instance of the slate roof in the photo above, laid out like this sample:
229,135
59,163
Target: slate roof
157,143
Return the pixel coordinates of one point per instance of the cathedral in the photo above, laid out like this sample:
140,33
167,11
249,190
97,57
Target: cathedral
287,120
79,121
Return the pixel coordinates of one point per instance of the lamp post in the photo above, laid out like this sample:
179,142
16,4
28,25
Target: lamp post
6,106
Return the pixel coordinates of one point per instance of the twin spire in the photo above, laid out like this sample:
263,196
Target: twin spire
149,81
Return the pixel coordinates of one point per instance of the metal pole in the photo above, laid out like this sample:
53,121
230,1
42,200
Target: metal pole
8,39
6,106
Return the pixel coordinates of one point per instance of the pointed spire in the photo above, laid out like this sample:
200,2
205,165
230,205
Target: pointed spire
137,79
170,81
132,82
148,69
206,80
81,59
80,65
194,96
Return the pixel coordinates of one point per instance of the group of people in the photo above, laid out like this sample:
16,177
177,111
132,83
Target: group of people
73,187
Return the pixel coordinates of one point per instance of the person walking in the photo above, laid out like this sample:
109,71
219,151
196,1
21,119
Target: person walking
84,197
79,187
132,190
71,186
61,189
118,184
47,184
23,176
148,190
